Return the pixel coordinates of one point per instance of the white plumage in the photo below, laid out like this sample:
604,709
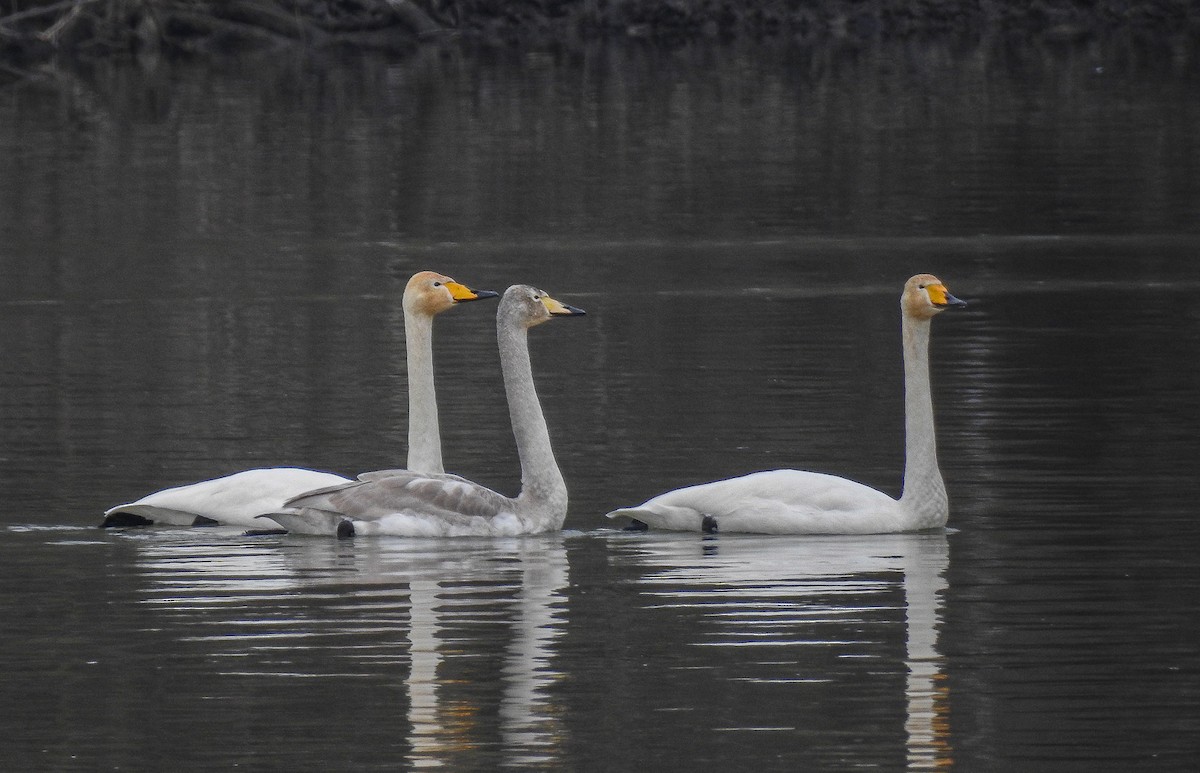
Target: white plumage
235,499
239,499
798,502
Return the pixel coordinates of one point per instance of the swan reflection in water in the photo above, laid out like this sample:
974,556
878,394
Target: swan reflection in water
767,592
446,616
538,573
428,608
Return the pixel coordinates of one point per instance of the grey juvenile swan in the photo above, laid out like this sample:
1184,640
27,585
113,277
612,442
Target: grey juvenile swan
415,504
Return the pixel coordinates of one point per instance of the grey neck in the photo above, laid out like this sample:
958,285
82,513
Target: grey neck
541,481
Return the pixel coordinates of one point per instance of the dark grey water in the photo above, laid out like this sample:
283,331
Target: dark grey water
201,272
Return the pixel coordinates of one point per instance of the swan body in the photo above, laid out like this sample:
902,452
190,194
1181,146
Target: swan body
415,504
800,502
234,500
774,502
239,499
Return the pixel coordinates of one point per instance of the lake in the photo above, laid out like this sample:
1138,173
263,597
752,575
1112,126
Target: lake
202,267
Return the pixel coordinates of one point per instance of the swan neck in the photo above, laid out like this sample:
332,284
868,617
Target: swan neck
924,496
541,481
424,434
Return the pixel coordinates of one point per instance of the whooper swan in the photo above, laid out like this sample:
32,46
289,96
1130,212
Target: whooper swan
799,502
407,503
239,498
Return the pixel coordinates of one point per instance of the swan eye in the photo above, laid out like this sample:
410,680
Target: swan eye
437,284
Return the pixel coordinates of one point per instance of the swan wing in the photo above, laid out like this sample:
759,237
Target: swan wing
232,499
377,474
432,495
771,502
394,472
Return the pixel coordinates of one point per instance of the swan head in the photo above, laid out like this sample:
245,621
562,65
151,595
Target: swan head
530,306
925,297
430,293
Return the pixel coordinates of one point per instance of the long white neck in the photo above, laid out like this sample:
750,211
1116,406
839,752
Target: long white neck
924,496
542,484
424,434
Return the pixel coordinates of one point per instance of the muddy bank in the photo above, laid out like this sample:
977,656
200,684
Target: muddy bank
37,29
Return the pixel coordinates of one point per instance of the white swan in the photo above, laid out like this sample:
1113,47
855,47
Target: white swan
239,498
427,295
414,504
798,502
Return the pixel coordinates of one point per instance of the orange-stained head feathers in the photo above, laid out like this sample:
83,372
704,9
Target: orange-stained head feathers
430,293
925,296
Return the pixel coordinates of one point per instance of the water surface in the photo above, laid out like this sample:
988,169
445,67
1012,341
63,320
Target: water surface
202,269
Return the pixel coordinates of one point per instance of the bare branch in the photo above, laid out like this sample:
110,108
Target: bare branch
411,14
43,10
55,32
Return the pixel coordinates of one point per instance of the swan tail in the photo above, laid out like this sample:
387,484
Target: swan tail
119,517
625,514
309,520
659,516
133,514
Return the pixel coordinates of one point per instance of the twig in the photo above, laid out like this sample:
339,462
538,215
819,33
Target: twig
57,29
267,17
412,14
43,10
208,26
16,72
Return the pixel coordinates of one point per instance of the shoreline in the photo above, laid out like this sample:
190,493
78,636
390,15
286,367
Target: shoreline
91,29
